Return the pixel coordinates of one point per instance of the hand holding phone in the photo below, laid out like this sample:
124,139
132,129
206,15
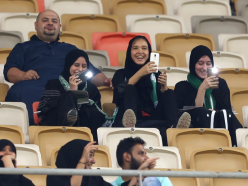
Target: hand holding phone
214,71
155,57
85,75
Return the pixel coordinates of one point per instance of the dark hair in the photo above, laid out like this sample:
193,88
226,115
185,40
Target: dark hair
126,145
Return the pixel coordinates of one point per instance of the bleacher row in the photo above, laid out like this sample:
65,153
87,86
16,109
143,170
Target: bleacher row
187,150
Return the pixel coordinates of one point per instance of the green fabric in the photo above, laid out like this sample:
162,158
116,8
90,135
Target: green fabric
154,90
195,82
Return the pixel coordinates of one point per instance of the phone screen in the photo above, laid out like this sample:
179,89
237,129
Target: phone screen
155,57
85,75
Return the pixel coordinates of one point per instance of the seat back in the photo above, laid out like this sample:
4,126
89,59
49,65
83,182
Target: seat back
182,138
122,8
169,157
162,23
190,8
76,7
19,6
23,22
179,44
13,133
106,94
98,58
4,53
46,137
235,78
239,134
17,109
35,107
28,155
109,71
245,115
4,88
108,179
219,25
113,43
225,59
239,98
109,108
10,38
87,24
112,136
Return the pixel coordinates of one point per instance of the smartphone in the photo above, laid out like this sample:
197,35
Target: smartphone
214,71
85,75
155,57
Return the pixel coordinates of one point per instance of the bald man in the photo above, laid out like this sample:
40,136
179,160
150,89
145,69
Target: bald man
31,64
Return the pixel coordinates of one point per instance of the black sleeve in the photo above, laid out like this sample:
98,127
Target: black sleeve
119,84
185,94
58,181
49,97
94,94
15,180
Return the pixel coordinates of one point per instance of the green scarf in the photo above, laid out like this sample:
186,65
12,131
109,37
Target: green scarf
195,82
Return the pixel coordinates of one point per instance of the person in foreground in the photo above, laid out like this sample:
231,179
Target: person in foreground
58,105
76,154
8,160
131,155
31,64
198,91
139,92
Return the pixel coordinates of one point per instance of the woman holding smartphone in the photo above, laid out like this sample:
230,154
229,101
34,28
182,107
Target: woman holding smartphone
8,160
140,94
209,93
58,104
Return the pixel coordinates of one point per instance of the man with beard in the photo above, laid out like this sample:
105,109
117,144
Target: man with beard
131,155
31,64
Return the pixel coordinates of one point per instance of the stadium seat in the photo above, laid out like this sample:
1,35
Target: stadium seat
216,159
245,115
79,40
234,43
47,136
107,178
179,44
2,80
87,24
38,180
169,157
17,109
122,8
4,88
219,25
162,23
23,22
235,78
35,107
28,155
228,181
4,53
225,59
10,38
76,7
109,108
196,137
41,5
106,94
13,133
189,8
98,58
174,74
112,136
19,6
107,6
240,7
165,59
240,135
108,71
102,156
179,181
239,98
113,43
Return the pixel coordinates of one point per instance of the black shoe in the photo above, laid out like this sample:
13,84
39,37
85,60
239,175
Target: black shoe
72,117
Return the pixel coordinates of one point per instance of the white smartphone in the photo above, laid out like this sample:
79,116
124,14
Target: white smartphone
155,57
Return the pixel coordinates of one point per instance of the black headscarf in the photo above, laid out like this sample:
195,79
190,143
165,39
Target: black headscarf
144,85
4,143
68,157
70,58
196,54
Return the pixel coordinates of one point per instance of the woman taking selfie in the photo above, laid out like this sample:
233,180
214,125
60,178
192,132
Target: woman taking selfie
8,160
59,105
139,92
209,93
